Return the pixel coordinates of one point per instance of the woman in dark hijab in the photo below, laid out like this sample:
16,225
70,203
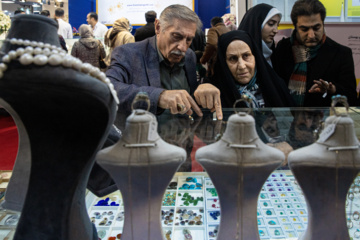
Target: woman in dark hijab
261,22
241,69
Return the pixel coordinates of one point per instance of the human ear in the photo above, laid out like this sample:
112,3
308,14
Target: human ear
157,26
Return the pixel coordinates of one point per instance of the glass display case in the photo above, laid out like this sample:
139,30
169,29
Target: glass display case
191,203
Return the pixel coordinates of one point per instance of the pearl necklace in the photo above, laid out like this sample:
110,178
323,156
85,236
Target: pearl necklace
40,53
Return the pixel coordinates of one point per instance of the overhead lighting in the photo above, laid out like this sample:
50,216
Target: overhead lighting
36,5
7,1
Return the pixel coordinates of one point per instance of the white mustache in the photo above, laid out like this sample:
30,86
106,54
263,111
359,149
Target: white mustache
177,52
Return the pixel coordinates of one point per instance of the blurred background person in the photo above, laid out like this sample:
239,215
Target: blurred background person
65,28
217,29
262,22
229,21
87,48
99,29
199,41
149,29
118,35
46,13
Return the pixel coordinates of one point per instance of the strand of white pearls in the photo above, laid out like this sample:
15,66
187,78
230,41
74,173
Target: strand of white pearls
40,53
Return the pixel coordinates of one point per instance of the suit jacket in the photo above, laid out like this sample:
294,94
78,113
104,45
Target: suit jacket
145,32
135,68
333,63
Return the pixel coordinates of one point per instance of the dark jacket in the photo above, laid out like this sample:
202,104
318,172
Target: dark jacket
135,68
333,63
145,32
199,41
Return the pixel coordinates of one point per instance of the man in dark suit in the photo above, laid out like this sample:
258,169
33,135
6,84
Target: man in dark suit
149,29
164,67
314,66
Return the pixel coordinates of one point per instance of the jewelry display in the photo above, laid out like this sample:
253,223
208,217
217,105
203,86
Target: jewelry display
333,159
40,54
238,165
142,165
52,104
288,210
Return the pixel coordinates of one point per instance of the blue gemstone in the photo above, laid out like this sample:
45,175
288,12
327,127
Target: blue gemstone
185,186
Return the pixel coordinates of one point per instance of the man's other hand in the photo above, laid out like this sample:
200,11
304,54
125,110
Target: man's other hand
208,96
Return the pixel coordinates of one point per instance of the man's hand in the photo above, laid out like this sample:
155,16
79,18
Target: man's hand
178,101
208,96
322,86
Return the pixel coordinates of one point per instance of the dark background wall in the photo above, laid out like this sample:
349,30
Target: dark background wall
206,9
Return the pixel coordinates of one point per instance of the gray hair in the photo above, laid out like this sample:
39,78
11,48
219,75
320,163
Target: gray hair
179,12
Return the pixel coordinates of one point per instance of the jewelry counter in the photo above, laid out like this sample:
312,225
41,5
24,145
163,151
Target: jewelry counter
190,208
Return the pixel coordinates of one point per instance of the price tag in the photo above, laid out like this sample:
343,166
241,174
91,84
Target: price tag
152,134
327,132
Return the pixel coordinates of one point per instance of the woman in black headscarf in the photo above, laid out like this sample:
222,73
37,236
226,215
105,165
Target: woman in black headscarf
261,22
241,69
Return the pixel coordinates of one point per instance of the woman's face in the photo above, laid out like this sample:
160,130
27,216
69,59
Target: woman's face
270,29
240,61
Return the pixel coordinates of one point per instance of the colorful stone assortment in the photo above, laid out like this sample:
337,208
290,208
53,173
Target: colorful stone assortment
169,199
281,213
167,217
186,217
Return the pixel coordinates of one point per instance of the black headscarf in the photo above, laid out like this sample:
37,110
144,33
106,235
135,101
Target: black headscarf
253,20
273,88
